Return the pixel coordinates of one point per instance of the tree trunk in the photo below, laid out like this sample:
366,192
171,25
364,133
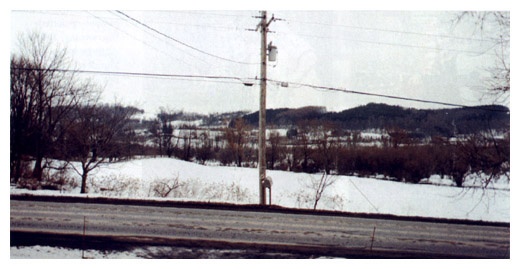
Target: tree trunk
17,168
239,160
84,181
459,179
327,168
37,171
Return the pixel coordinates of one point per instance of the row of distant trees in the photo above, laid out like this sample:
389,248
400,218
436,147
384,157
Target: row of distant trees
55,115
320,146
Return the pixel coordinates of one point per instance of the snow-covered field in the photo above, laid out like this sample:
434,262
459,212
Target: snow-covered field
150,179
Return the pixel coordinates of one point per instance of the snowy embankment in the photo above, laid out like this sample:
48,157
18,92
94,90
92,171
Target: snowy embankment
154,178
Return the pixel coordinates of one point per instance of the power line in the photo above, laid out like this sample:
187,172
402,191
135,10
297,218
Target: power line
126,19
61,13
183,24
139,74
400,44
212,80
485,52
397,31
189,53
389,96
178,41
133,37
207,13
232,78
105,20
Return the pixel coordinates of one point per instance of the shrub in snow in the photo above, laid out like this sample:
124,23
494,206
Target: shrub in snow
191,188
53,178
59,181
302,198
197,190
165,187
313,190
237,193
115,186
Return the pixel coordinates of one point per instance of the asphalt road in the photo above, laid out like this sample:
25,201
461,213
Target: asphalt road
325,235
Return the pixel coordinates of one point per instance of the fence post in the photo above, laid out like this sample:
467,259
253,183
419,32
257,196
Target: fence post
373,236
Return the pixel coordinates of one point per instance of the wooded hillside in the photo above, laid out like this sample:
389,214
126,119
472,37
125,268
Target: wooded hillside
425,122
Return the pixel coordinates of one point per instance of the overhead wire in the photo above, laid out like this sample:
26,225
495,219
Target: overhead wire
136,74
181,42
387,96
354,40
135,38
154,35
208,79
200,25
485,51
205,13
213,26
116,16
224,67
395,31
69,13
444,36
124,17
243,81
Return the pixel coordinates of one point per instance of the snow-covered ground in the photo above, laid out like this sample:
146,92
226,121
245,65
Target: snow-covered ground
46,252
148,179
147,252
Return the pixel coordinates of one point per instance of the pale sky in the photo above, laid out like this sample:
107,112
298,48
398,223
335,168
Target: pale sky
411,54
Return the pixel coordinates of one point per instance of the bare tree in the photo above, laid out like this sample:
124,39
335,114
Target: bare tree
204,151
319,185
398,136
274,150
22,126
162,130
164,187
496,24
44,89
303,149
93,138
485,152
237,138
186,152
154,130
486,155
327,146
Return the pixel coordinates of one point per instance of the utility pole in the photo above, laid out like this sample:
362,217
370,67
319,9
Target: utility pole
263,26
261,125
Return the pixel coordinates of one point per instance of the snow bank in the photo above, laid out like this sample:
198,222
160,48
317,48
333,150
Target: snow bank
46,252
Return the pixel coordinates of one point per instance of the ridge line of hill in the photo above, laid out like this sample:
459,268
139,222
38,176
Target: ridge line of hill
447,122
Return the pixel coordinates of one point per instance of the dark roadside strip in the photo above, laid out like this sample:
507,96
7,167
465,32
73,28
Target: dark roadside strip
242,207
247,249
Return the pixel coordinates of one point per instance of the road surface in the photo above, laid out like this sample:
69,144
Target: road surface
325,235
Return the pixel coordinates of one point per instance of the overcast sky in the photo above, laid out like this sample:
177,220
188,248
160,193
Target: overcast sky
411,54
